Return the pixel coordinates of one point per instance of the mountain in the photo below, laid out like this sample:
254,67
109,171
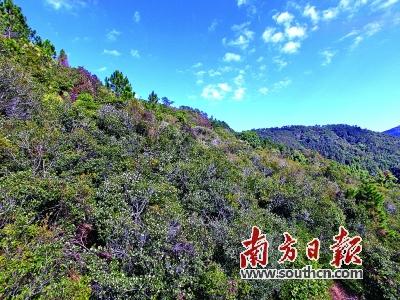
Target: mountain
394,131
107,196
346,144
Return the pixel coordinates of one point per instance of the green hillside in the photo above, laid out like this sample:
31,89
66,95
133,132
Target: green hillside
105,196
345,144
394,131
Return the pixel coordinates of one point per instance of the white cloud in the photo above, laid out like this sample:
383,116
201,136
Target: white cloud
213,25
216,91
295,32
277,37
239,80
312,13
327,55
330,13
356,42
350,34
66,4
212,92
283,18
367,31
200,73
102,69
282,84
291,47
268,32
197,65
137,17
243,36
372,28
280,63
382,4
232,57
264,91
224,87
113,35
112,52
214,73
241,2
239,93
135,53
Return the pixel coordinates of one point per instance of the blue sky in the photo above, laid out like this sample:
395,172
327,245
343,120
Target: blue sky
251,63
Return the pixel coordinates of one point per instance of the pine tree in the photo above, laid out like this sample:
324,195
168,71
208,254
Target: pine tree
13,23
63,59
153,98
166,101
120,85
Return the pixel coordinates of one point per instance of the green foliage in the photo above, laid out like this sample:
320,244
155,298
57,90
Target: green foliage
345,144
86,105
153,98
214,283
107,197
119,84
13,23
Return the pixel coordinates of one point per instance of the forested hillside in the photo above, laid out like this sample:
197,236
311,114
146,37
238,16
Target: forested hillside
106,196
394,131
346,144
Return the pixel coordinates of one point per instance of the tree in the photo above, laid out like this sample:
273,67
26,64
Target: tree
120,85
47,48
63,59
166,101
13,23
153,98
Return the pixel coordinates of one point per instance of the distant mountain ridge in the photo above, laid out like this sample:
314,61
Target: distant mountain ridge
393,132
344,143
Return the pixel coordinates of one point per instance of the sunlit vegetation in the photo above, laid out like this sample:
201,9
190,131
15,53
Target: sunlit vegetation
106,196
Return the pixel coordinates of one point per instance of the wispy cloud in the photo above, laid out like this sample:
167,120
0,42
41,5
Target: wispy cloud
263,91
239,93
197,65
136,17
312,13
360,35
241,2
113,35
135,53
282,84
243,36
213,26
383,4
112,52
231,57
281,63
216,91
66,4
102,69
330,13
327,55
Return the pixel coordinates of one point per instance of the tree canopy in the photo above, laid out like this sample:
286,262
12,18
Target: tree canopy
120,85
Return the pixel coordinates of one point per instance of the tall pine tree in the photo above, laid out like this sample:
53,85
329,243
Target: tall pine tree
120,85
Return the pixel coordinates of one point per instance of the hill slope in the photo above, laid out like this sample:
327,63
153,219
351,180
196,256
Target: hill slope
105,196
343,143
394,131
